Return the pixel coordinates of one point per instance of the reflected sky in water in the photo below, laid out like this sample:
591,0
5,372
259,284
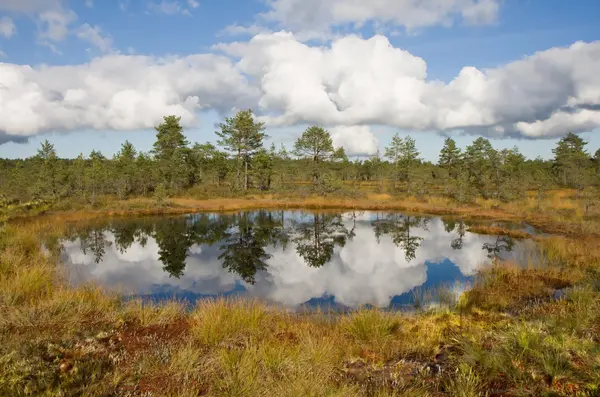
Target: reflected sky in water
289,258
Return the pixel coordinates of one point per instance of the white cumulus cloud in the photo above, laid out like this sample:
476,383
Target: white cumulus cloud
356,140
345,86
357,81
117,92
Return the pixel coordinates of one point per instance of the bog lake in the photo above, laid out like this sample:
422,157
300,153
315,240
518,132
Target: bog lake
298,260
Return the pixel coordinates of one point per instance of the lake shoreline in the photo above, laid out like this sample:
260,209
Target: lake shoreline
571,224
506,335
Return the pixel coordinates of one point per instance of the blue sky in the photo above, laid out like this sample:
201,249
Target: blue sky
423,52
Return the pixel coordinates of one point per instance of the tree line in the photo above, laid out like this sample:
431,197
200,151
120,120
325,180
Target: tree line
240,163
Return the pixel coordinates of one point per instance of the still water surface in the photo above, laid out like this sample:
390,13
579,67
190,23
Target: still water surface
294,259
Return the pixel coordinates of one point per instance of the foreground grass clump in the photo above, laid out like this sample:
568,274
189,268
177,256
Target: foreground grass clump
221,321
511,334
508,287
556,350
370,326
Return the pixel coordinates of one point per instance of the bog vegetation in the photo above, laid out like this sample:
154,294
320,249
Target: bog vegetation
517,332
241,164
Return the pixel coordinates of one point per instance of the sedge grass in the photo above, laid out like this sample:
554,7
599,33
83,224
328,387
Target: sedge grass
506,333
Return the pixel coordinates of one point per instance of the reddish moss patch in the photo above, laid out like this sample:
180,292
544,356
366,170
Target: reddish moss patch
135,339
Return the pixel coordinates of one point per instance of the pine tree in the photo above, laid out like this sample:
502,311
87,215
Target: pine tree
172,153
96,174
404,156
263,168
571,162
125,167
409,158
78,174
495,162
316,146
145,179
393,151
513,173
478,165
243,136
377,165
169,138
450,158
47,176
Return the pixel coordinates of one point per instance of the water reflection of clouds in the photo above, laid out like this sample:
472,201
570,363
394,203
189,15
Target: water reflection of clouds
363,271
138,269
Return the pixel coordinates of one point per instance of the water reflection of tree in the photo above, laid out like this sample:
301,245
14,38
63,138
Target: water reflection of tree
243,246
98,244
452,225
315,240
495,249
91,238
242,238
174,238
128,232
398,227
209,229
270,228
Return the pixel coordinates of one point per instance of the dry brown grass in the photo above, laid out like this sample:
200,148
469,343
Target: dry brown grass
508,287
499,231
506,335
557,263
560,214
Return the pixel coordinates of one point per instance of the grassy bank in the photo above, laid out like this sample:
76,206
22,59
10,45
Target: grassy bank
560,212
507,336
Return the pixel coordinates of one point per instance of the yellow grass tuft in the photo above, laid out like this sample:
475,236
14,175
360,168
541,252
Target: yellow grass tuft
229,321
148,314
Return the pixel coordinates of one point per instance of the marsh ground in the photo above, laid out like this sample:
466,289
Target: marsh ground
509,335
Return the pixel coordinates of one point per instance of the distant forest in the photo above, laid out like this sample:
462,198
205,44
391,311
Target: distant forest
240,164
